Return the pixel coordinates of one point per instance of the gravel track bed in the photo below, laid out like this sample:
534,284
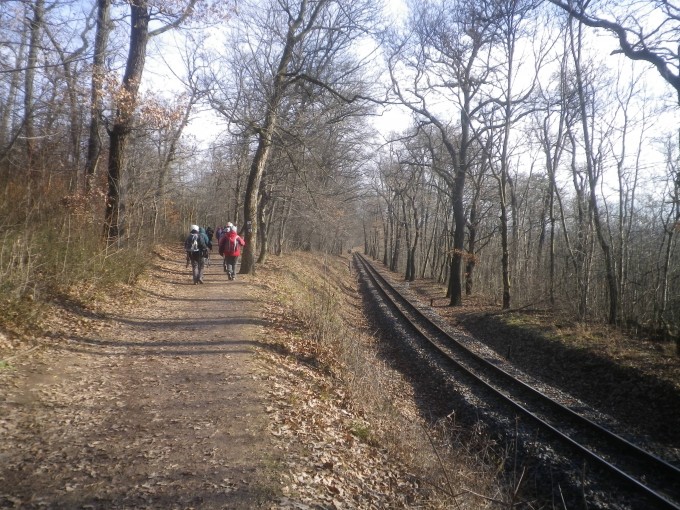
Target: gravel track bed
552,475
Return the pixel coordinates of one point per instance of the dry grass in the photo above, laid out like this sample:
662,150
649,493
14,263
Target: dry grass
52,253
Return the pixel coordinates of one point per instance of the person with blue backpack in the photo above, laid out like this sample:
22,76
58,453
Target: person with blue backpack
196,245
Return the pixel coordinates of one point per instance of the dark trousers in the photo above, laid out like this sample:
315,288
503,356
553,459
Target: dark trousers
197,263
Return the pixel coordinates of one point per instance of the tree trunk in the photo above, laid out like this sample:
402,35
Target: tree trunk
472,240
122,126
265,135
551,246
387,235
36,25
264,217
287,206
250,216
456,287
411,272
94,142
408,275
610,265
10,106
394,263
461,164
427,262
118,139
505,256
242,168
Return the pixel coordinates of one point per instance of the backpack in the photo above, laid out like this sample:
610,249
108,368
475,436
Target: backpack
230,246
233,246
194,243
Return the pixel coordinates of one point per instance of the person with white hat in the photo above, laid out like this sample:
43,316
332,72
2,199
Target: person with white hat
195,245
225,231
230,248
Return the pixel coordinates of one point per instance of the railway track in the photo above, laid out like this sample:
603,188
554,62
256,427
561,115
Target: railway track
657,480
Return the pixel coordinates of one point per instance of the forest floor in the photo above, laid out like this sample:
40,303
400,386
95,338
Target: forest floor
175,395
156,400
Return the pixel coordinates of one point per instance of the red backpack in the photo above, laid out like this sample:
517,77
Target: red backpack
231,246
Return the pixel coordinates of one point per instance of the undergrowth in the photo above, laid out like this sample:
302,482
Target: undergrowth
53,251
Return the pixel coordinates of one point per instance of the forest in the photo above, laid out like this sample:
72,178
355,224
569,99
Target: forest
534,159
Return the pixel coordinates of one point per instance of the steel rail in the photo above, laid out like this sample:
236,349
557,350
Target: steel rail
668,471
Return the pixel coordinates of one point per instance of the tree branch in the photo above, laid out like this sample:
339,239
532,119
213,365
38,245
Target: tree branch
627,48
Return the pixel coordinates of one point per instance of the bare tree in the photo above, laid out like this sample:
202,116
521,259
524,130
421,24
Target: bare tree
413,206
126,102
510,106
44,118
94,142
36,27
444,53
284,44
8,107
551,131
671,227
593,174
69,62
290,47
646,30
481,206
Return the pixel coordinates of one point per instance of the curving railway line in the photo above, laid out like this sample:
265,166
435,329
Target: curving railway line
657,480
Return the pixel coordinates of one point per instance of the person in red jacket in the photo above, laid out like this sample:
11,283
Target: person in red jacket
230,247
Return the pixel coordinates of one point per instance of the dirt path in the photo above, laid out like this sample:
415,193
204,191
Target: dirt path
162,407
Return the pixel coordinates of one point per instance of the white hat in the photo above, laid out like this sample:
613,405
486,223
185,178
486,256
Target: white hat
230,224
194,227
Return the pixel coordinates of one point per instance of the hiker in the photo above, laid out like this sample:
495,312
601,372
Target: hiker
195,245
225,232
230,247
